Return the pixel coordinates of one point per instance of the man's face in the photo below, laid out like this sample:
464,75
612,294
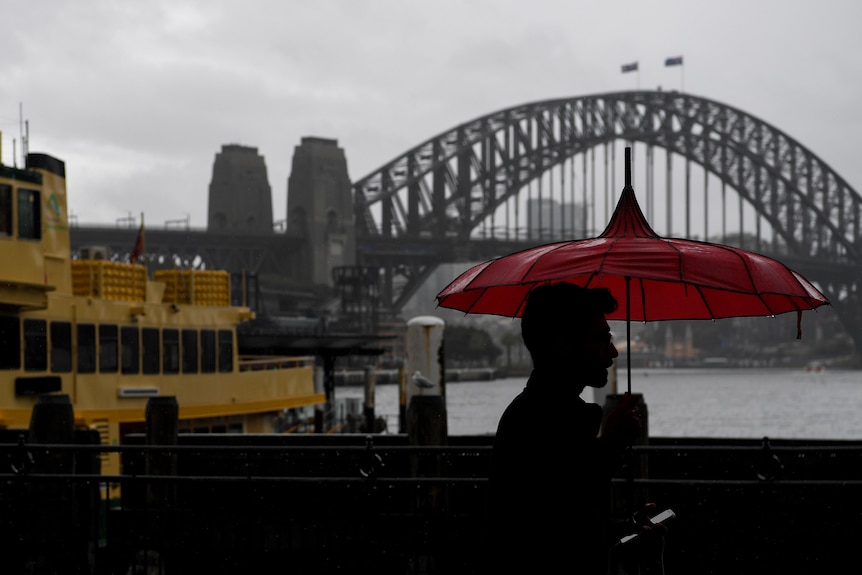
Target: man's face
595,351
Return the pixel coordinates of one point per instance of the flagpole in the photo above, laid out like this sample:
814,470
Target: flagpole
140,242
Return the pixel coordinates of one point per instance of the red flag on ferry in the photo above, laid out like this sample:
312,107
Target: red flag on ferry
138,250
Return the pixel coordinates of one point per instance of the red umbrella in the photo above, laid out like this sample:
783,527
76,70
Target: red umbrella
652,277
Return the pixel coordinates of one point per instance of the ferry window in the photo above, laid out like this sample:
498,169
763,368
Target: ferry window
29,214
10,342
35,345
208,351
151,345
190,351
5,210
86,348
61,346
170,351
108,349
225,350
129,352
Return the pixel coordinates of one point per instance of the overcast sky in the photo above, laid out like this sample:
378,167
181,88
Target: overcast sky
138,97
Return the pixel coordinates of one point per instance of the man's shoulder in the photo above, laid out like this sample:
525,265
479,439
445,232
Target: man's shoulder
568,418
525,416
520,406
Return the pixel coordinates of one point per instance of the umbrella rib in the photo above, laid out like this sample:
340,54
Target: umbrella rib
735,252
738,255
475,301
751,278
669,243
705,301
604,258
756,290
802,287
556,247
521,306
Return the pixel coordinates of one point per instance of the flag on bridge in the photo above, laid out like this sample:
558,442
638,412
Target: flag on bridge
676,61
633,67
140,242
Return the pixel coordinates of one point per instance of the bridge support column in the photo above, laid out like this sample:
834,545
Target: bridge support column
320,207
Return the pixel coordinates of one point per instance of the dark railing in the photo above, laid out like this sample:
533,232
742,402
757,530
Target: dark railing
357,503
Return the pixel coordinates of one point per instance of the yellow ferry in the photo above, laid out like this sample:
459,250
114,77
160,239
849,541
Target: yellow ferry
110,337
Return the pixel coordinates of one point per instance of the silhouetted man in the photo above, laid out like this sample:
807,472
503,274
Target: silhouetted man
552,458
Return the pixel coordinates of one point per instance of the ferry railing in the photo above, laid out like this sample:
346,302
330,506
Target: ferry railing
338,503
258,363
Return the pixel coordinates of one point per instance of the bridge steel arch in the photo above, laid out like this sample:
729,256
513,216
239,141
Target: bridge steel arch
421,208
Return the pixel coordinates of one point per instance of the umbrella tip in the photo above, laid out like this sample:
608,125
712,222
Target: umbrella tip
628,167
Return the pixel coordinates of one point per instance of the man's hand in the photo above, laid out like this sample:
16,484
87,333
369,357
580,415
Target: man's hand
643,522
642,550
623,424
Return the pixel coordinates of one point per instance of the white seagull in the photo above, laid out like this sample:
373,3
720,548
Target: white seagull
421,381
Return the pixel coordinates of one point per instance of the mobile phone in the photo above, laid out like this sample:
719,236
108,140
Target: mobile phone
662,517
665,515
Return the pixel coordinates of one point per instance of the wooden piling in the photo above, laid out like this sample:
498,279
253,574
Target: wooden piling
162,417
427,424
368,400
51,523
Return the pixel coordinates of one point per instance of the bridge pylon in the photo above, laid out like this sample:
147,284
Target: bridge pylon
320,208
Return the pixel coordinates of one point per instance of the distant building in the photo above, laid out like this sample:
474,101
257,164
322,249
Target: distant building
549,220
240,198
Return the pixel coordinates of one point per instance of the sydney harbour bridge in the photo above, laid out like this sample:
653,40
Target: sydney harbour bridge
551,170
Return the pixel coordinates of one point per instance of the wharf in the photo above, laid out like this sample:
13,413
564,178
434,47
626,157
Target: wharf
383,503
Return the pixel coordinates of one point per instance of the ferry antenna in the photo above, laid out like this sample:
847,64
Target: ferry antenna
24,129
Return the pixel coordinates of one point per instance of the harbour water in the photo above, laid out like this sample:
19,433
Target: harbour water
724,403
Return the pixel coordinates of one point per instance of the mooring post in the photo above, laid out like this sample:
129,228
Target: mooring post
51,524
426,398
323,420
53,421
402,398
162,421
426,422
368,402
426,391
319,386
425,385
162,416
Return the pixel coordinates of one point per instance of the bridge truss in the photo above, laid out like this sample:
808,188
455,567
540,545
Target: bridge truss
465,194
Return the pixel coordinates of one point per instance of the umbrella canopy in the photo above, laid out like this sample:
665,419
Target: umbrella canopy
652,277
